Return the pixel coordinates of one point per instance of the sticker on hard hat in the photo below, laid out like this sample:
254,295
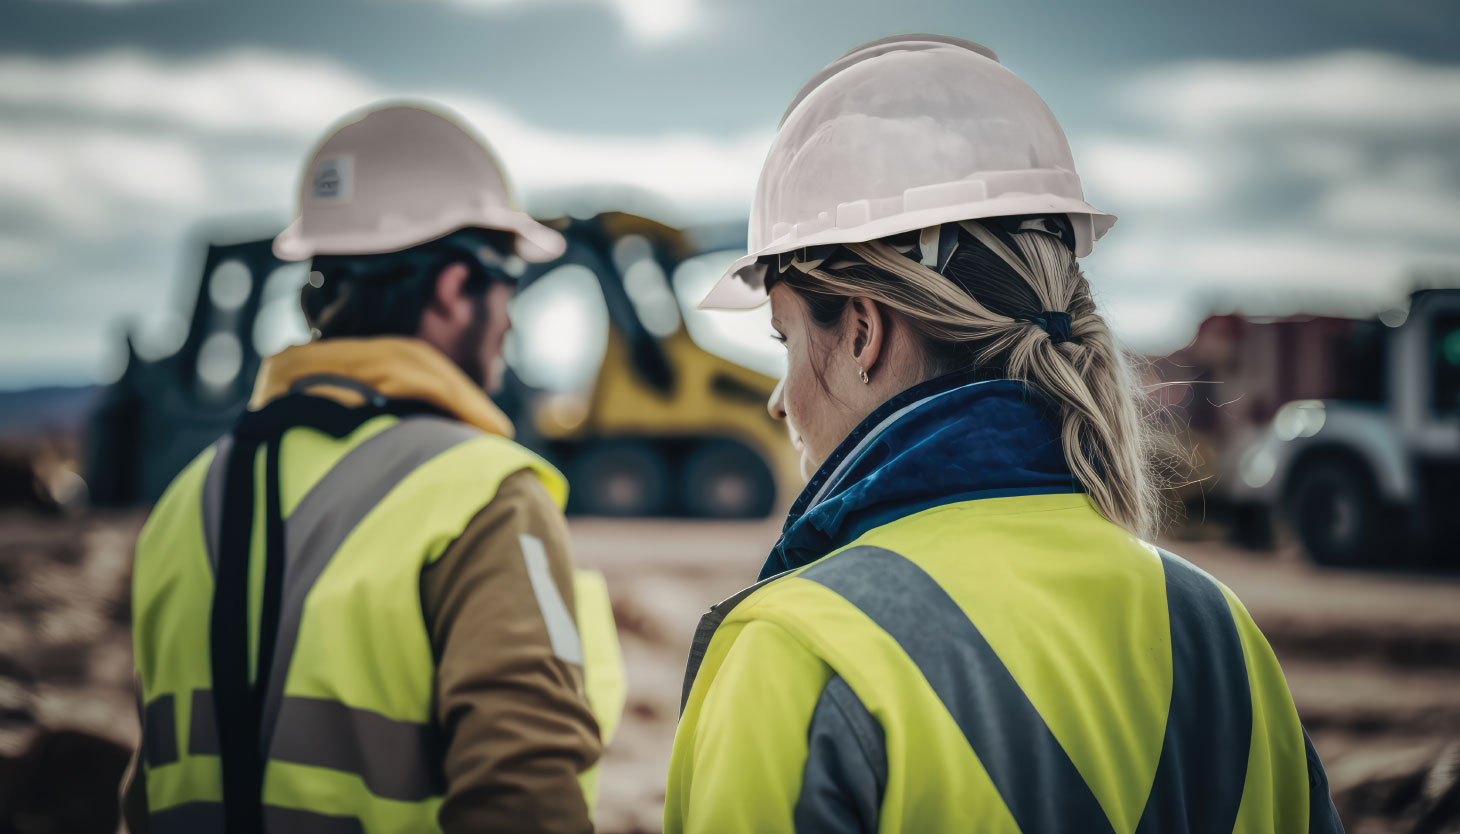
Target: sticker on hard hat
334,179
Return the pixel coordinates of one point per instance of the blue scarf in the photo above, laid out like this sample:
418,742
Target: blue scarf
954,438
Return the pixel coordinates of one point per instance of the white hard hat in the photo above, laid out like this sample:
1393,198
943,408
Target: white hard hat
401,175
900,134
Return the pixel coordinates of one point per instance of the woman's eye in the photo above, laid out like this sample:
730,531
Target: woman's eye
779,337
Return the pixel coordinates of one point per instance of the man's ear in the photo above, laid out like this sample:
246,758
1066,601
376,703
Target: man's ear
448,299
869,331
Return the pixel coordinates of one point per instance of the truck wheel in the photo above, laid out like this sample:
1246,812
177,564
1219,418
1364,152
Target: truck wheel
625,478
725,479
1335,512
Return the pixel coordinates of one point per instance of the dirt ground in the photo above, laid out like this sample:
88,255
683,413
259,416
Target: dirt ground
1373,659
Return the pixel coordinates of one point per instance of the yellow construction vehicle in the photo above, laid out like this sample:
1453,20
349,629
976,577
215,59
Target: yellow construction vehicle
663,427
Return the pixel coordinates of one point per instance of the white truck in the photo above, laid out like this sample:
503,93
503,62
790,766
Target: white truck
1373,482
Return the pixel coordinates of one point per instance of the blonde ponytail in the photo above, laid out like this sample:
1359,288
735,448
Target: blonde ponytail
1108,429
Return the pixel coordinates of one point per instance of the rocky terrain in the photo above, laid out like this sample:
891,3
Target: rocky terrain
1373,661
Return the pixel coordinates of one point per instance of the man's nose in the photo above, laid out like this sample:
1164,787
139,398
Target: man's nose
777,406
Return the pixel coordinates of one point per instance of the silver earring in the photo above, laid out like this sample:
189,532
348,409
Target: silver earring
865,380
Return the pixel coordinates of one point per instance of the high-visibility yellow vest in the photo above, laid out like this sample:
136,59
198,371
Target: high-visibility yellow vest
345,719
1009,664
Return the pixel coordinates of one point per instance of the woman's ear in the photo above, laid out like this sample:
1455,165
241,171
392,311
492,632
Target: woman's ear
868,332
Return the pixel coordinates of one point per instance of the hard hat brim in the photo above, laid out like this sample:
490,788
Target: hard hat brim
742,287
533,242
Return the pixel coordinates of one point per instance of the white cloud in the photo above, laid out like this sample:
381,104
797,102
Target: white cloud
1315,184
1288,263
1140,171
25,253
110,159
1155,288
687,170
1322,157
1149,323
645,19
243,91
1389,207
1351,90
99,180
106,164
1258,266
232,99
657,18
102,2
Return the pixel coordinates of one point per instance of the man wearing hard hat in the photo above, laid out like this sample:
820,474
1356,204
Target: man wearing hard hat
357,611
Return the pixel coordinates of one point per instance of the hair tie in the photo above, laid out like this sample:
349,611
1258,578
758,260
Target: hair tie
1057,325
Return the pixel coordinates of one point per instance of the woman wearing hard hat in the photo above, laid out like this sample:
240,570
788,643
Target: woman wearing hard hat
961,627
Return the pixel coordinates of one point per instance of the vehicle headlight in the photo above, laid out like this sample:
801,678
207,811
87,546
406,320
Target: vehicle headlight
1300,418
1258,466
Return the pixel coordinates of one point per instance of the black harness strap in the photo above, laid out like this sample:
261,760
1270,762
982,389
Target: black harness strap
242,762
238,700
273,579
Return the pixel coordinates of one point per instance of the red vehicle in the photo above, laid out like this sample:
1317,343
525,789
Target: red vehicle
1348,430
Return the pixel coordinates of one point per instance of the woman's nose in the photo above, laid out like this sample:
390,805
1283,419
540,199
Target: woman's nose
777,405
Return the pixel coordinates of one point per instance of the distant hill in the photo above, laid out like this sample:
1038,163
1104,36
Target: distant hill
46,410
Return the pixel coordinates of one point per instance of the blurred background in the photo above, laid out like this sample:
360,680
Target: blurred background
1287,263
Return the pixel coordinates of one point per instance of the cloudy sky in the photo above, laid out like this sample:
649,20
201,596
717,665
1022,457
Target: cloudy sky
1271,156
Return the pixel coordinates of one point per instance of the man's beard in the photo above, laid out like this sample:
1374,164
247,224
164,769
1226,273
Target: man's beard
470,346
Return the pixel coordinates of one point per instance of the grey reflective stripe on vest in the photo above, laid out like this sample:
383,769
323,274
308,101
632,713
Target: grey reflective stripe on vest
331,510
188,818
213,499
204,817
1203,765
846,766
706,631
1038,782
313,533
395,759
159,731
294,821
203,725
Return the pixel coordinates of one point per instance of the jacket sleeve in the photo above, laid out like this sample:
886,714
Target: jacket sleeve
778,744
510,697
1322,815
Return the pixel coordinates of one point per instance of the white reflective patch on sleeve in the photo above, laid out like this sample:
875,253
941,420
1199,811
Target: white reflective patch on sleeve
563,634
